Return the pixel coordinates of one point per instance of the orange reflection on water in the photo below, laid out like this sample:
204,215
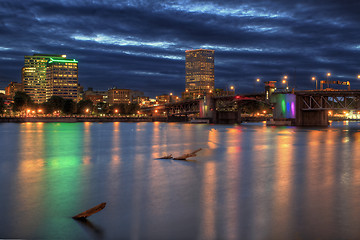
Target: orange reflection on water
31,170
115,150
208,196
233,167
319,188
213,141
283,182
87,143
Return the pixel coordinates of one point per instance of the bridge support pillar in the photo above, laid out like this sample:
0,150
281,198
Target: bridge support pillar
207,108
310,117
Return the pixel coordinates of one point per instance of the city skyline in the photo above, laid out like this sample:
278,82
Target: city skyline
140,45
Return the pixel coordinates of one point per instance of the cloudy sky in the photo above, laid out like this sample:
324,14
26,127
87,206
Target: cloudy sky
141,44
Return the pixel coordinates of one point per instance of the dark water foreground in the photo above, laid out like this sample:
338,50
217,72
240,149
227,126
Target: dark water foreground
248,182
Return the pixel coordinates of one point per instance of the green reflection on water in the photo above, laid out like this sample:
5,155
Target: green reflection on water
62,174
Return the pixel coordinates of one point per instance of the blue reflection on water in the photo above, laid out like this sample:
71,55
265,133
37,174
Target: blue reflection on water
248,182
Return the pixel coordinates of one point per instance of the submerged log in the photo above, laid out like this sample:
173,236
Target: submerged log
90,211
166,157
187,155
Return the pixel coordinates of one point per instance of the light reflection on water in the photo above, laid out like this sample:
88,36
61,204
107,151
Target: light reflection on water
248,182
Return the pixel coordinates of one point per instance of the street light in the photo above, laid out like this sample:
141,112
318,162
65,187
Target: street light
359,76
327,78
255,83
314,79
287,84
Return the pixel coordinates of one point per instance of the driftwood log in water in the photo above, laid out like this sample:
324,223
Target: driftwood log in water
187,155
166,157
90,211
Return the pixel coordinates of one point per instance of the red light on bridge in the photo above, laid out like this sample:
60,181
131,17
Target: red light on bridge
237,97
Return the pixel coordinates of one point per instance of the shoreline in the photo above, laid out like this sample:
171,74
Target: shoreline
76,119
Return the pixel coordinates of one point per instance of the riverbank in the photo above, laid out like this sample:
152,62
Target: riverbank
78,119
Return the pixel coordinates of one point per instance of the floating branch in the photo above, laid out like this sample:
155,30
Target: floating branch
187,155
90,211
166,157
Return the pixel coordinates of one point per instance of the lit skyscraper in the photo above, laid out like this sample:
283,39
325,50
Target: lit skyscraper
45,75
199,68
62,78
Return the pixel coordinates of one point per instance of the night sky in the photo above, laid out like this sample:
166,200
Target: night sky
141,44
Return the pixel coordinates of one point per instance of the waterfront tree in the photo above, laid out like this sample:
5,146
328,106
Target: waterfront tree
2,105
125,108
83,105
55,103
69,106
22,101
102,108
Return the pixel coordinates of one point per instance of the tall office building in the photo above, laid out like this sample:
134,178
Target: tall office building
44,75
62,78
199,68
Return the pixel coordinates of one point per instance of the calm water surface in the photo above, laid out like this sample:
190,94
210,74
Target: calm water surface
248,182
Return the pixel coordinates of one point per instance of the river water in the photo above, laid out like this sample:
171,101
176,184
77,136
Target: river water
248,182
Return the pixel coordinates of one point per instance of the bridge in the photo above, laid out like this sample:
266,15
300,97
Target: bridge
216,109
311,107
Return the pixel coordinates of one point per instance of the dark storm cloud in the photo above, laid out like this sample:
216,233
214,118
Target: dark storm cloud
140,44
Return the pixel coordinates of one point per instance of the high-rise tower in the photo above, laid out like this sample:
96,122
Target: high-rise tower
199,68
62,78
45,75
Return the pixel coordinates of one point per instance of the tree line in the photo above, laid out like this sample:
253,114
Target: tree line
23,103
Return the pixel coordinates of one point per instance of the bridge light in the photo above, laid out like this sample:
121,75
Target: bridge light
285,77
283,81
328,74
359,76
258,79
313,78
